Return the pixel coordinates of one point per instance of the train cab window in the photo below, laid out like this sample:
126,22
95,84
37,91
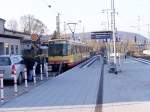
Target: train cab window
59,49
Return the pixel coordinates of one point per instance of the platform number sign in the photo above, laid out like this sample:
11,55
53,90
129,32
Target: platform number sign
101,35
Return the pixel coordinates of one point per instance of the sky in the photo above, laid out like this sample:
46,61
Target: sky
131,15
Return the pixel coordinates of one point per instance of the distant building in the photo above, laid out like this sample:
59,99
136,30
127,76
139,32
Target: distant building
10,41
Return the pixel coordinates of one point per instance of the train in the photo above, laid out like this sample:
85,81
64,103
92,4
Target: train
66,53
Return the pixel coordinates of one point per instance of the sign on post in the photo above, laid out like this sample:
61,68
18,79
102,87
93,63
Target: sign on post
41,72
101,35
2,85
25,78
15,85
34,74
34,37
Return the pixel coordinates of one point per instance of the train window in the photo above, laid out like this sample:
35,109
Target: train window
75,49
72,49
81,49
69,49
65,49
78,49
84,49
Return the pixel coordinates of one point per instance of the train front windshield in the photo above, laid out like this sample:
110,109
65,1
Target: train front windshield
58,49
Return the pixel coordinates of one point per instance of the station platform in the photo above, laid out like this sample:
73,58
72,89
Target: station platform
73,90
129,91
90,87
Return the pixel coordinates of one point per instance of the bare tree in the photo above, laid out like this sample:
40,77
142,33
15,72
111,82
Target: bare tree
30,24
12,25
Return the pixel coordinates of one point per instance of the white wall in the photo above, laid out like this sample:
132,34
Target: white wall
11,42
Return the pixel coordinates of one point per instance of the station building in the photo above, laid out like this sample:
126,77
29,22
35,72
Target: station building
11,41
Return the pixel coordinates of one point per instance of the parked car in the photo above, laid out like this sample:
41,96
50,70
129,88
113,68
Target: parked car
11,65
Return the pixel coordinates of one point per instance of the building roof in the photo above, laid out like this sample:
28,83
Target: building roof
10,36
2,19
17,32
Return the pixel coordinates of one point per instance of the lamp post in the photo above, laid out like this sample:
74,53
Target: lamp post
113,28
108,25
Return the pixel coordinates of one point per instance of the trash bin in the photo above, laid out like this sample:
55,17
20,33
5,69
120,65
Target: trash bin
112,68
105,60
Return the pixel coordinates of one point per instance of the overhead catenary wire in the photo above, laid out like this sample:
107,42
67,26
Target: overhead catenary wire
47,4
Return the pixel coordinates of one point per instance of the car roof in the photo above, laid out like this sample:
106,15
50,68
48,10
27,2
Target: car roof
10,55
14,58
4,55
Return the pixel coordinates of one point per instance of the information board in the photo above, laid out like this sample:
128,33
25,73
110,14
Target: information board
101,35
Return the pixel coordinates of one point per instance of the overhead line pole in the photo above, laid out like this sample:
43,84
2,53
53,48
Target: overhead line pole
108,28
58,25
72,29
113,26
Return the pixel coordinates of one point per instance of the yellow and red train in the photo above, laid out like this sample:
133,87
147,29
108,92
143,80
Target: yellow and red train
66,52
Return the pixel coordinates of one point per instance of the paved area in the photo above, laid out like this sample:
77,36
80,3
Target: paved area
129,91
75,88
9,89
77,91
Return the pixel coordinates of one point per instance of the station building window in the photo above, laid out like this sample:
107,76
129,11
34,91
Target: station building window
17,49
7,48
12,49
1,48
